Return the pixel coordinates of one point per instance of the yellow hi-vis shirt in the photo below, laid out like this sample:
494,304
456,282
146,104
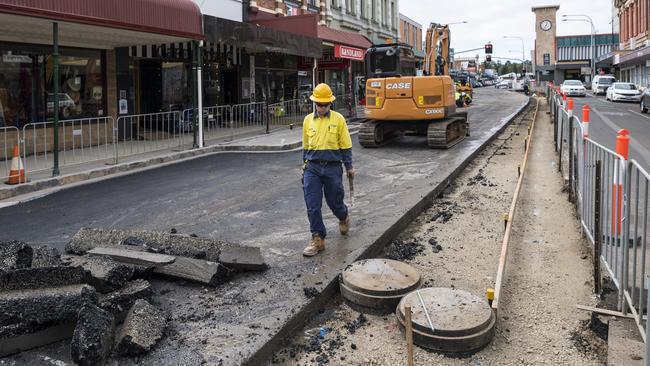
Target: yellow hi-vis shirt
326,138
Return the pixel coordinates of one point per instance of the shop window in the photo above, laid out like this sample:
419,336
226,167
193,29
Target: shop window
81,90
175,79
27,89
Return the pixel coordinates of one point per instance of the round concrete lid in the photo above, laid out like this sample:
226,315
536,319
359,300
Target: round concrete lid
381,277
453,312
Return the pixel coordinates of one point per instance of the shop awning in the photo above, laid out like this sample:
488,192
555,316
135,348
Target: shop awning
634,57
344,38
307,25
104,23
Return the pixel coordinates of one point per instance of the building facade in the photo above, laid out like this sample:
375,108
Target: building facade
94,42
632,62
340,26
378,20
559,58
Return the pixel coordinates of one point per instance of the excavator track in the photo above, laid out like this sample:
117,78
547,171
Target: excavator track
371,134
446,133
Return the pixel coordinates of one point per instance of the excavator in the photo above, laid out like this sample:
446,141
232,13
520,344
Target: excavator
398,101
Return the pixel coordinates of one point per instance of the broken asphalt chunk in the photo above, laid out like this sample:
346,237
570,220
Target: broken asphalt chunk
93,336
143,327
15,254
119,302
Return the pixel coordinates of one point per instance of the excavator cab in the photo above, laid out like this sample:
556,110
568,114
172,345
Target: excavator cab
390,60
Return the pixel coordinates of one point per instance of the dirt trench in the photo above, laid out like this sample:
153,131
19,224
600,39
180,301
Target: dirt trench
457,243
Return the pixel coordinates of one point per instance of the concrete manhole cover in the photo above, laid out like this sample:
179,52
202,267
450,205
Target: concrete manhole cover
377,285
461,321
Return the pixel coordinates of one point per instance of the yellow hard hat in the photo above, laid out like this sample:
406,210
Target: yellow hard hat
322,94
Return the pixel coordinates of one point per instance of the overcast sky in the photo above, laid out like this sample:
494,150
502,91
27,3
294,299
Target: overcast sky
503,18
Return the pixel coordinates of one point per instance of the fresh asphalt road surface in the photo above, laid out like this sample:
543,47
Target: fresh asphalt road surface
609,117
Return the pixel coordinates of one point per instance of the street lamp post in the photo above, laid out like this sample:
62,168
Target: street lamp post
587,19
523,52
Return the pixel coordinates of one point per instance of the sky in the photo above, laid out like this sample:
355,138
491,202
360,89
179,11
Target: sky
503,18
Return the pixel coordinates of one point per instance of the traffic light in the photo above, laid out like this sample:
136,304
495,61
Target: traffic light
488,58
488,48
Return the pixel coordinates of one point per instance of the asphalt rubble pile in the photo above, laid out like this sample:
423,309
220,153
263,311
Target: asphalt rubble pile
98,295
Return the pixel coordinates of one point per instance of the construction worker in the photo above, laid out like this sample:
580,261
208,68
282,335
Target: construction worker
326,145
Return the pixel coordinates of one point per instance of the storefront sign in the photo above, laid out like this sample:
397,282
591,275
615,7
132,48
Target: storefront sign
348,52
17,59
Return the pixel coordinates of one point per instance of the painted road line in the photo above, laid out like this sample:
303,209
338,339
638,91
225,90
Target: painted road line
639,114
635,144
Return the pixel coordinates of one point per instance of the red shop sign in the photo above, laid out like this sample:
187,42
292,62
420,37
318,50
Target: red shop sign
351,53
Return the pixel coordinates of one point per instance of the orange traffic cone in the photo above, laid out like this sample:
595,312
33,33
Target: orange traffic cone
17,172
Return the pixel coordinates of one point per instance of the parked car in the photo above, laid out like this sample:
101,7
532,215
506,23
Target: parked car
623,92
503,84
601,83
573,88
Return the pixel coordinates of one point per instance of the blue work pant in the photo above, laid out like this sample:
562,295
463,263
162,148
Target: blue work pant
320,178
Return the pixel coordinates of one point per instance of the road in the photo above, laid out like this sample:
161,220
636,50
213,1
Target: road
609,117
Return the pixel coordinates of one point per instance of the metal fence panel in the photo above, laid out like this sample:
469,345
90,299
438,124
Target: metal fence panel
291,112
80,141
635,238
143,133
344,104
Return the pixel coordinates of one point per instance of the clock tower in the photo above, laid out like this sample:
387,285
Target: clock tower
545,47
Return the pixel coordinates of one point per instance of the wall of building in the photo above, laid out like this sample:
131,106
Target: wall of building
633,23
410,32
376,19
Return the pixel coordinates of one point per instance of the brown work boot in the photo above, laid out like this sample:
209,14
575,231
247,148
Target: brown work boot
344,225
315,245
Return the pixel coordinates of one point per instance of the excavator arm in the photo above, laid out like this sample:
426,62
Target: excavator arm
437,50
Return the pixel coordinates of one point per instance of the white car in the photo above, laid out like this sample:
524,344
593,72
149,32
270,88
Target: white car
623,92
503,84
601,83
573,88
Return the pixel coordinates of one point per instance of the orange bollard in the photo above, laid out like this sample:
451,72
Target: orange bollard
623,143
570,104
585,120
622,148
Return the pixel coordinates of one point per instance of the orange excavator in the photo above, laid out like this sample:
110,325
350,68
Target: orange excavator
398,101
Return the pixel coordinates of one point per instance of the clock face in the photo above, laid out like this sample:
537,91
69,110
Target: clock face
546,25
